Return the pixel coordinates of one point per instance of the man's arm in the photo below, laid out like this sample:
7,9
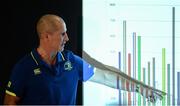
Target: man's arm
115,78
11,100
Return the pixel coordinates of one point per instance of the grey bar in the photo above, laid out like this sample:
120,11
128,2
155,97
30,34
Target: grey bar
124,46
124,59
173,56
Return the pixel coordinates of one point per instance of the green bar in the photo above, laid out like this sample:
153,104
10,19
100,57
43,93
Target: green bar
139,66
163,74
168,83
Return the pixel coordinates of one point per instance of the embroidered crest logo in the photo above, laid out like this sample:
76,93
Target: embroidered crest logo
67,65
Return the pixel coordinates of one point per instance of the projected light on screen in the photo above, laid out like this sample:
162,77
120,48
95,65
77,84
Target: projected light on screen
141,38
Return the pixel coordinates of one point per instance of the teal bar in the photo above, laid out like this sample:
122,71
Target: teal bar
149,73
178,88
173,55
144,80
168,84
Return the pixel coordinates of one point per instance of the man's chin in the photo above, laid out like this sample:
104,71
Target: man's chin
62,49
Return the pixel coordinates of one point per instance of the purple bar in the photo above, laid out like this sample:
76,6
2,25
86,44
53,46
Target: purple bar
134,63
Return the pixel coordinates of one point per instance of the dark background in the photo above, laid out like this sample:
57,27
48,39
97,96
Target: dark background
18,32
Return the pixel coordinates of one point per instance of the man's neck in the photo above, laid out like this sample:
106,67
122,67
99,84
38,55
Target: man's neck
47,56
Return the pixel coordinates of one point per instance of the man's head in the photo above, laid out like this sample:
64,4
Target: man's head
51,30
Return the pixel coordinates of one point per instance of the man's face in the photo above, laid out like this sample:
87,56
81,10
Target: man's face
59,38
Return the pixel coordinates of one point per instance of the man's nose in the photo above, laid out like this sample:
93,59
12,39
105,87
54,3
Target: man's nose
66,37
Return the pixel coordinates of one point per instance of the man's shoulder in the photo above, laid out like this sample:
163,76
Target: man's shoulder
25,59
24,62
22,67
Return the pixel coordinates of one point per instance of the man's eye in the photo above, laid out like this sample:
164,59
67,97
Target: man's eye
63,33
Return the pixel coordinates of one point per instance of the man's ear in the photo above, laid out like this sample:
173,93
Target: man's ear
44,35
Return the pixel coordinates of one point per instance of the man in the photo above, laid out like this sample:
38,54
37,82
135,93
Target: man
48,74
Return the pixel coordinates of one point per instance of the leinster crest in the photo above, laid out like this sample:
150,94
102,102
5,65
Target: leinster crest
67,66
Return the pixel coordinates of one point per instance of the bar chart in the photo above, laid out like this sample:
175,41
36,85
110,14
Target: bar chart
141,38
